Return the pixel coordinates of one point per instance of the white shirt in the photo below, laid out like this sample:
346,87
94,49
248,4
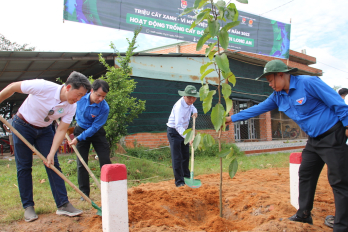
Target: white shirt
44,96
180,116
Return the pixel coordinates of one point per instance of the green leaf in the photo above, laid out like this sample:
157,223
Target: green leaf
187,131
202,4
220,4
222,62
224,153
232,78
193,25
217,115
232,12
196,4
200,17
188,137
208,140
228,105
186,11
202,41
230,154
233,167
204,67
243,1
224,39
208,49
226,90
201,144
207,101
230,25
196,141
211,54
206,73
203,92
224,122
214,27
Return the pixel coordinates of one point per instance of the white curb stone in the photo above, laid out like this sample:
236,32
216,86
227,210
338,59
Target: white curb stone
114,198
295,162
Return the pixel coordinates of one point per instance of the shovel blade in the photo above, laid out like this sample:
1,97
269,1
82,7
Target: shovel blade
192,183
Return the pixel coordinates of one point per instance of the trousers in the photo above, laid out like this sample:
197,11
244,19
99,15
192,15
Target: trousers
332,150
180,156
102,148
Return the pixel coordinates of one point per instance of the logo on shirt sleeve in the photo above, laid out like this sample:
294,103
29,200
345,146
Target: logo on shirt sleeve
93,116
300,101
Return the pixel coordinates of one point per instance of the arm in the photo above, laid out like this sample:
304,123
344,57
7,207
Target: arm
320,90
265,106
57,140
9,90
98,122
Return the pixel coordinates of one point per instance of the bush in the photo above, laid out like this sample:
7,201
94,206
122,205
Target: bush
160,154
213,150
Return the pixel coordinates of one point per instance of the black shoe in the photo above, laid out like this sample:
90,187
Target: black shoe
296,218
329,221
180,185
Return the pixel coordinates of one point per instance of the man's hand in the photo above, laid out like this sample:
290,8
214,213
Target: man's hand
50,160
195,115
73,142
346,132
228,119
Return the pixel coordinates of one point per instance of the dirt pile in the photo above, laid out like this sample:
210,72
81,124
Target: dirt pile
257,200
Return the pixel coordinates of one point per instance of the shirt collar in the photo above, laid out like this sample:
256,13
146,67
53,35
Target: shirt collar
184,104
293,85
87,96
57,94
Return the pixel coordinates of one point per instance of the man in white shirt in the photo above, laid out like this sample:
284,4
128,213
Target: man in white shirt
177,123
46,102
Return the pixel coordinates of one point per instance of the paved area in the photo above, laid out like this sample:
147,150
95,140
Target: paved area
264,145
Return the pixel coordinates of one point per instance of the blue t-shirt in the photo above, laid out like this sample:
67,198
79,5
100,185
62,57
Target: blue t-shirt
311,103
90,117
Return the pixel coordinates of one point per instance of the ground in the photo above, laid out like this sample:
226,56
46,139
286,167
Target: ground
256,200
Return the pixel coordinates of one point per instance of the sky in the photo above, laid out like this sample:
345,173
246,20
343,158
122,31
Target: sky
318,26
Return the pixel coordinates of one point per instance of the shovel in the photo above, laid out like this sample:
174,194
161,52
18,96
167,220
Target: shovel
81,159
51,166
192,183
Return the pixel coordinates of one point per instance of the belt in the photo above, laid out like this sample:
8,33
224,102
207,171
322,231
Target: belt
329,131
21,117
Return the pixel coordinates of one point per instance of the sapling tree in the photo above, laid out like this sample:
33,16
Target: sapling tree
221,17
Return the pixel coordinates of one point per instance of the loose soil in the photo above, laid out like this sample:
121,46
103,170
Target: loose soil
256,200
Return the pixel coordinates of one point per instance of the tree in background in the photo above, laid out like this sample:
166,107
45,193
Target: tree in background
7,107
123,107
7,45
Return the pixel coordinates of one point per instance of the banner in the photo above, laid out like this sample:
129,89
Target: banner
254,34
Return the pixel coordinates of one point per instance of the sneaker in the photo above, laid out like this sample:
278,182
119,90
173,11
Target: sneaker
329,221
82,199
180,185
29,214
297,218
69,210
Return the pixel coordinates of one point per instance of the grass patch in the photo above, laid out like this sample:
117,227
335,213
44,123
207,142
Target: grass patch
146,166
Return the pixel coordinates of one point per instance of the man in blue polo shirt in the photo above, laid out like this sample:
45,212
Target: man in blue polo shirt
323,115
91,114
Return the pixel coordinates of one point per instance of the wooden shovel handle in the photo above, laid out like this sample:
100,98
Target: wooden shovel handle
81,159
44,159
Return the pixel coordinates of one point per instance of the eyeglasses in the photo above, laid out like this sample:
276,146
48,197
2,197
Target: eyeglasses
51,112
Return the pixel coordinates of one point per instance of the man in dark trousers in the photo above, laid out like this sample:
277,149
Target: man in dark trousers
177,123
323,115
91,114
46,102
